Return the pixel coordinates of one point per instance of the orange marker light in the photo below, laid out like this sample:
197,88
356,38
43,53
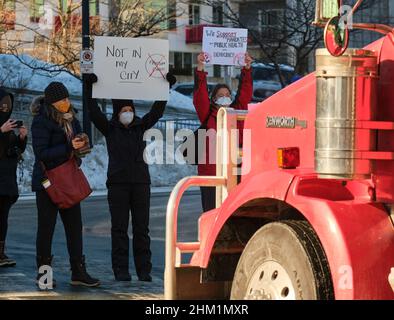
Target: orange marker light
288,158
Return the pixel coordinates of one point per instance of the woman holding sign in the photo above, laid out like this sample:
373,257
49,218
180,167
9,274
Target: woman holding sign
128,179
207,108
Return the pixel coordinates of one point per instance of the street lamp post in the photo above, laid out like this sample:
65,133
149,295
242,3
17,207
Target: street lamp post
87,127
228,70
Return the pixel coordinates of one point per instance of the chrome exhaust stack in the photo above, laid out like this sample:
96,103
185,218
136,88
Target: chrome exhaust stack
346,102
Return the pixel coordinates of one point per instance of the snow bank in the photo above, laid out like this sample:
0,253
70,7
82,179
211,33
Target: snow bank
15,74
95,168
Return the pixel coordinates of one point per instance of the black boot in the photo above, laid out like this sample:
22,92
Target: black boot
122,274
79,276
146,277
45,282
4,260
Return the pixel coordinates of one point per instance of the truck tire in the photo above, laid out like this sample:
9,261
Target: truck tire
283,261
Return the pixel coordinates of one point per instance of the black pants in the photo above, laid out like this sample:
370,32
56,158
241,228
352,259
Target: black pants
208,198
123,198
47,215
6,203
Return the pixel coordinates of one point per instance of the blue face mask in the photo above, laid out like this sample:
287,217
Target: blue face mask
224,101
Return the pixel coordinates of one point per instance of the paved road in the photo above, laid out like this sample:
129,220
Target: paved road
18,282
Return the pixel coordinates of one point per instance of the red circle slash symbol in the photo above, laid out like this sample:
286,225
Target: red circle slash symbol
155,65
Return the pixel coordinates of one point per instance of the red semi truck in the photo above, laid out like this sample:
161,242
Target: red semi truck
313,214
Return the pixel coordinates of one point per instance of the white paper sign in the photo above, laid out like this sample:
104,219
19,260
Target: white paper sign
225,46
131,68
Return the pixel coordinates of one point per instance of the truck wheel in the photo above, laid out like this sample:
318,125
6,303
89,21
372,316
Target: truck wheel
283,261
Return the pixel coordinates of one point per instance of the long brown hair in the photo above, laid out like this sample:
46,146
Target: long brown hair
217,88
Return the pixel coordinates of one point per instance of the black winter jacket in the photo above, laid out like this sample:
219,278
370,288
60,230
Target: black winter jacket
11,147
50,144
125,145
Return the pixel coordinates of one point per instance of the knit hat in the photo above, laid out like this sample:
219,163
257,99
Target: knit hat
55,92
118,104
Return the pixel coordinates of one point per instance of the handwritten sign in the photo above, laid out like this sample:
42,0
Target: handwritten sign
131,68
225,46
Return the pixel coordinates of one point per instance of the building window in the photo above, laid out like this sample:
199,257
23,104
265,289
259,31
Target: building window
181,63
9,5
36,10
270,18
217,71
94,8
171,12
194,14
217,14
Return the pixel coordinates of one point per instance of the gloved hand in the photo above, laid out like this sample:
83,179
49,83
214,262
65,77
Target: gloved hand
82,152
90,78
171,79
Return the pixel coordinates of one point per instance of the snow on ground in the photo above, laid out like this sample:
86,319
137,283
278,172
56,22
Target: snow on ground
14,74
95,168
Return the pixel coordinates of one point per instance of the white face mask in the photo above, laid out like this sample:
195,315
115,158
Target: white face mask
126,117
224,101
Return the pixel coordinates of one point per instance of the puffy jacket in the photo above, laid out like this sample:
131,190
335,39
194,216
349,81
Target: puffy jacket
50,144
11,147
125,145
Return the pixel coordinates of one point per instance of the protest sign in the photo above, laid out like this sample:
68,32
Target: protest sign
131,68
225,46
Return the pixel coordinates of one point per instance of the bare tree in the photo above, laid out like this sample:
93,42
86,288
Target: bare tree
282,36
58,43
288,33
60,47
7,19
137,18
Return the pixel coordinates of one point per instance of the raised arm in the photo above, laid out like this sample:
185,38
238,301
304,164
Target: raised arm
245,87
98,118
154,115
200,94
158,107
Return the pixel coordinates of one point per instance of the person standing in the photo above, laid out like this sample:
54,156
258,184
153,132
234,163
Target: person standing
54,130
207,108
11,148
128,179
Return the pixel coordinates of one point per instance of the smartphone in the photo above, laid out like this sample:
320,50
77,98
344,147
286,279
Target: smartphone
19,123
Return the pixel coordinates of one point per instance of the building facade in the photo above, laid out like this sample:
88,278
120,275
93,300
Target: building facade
21,19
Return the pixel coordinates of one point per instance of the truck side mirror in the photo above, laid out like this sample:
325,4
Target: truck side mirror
336,37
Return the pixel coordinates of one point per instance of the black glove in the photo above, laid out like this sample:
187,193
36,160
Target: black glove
90,78
171,79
